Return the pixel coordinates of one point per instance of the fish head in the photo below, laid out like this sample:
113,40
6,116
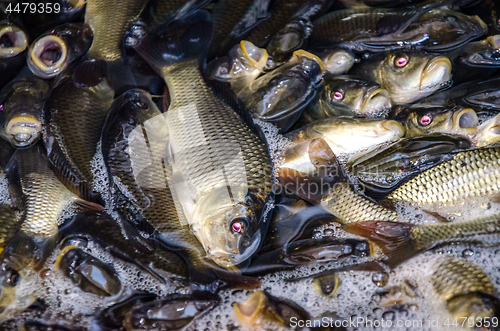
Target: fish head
339,61
243,64
488,133
228,228
412,76
484,53
55,50
432,120
13,41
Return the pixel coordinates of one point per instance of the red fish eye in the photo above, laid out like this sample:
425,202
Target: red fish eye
236,227
426,120
338,95
1,107
401,61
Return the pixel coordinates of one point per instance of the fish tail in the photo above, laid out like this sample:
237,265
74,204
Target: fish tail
393,238
183,40
86,206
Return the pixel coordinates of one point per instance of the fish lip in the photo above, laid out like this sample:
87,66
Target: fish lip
248,309
20,41
250,52
302,53
38,66
230,261
23,130
394,126
371,94
482,24
458,115
440,65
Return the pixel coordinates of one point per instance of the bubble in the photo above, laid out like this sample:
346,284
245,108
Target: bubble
380,279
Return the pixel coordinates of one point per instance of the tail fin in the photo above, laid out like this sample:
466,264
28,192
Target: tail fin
393,238
188,38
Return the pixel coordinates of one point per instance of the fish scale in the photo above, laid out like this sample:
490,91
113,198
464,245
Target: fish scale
469,174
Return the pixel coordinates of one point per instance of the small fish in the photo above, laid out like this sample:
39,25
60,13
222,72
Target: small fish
52,52
469,175
242,66
280,96
349,96
220,177
379,29
423,121
337,61
88,273
401,241
466,289
408,77
487,133
22,102
348,135
383,168
266,312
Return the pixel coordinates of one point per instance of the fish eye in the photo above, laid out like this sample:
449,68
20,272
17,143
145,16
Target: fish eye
338,95
223,69
401,61
239,225
11,277
425,120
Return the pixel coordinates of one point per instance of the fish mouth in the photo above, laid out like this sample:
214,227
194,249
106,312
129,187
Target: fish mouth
13,41
465,120
394,126
256,56
248,310
436,72
339,62
48,56
377,100
23,130
302,53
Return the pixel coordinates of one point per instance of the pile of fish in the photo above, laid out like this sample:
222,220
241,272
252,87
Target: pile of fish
249,164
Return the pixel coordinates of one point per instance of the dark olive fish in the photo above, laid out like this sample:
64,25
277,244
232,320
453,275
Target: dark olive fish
280,96
21,103
74,116
13,43
88,273
348,96
263,311
294,34
377,29
466,290
145,311
53,51
9,224
407,76
6,151
401,241
230,227
162,10
383,168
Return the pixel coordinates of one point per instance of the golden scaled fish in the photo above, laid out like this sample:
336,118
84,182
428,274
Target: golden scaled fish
466,289
220,169
401,241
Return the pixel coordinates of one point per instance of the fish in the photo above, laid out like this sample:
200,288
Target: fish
469,175
383,169
10,223
310,252
328,285
227,214
41,198
475,59
266,312
487,133
458,121
145,311
6,151
13,44
87,272
402,241
41,326
294,34
163,10
73,118
55,50
280,96
22,101
348,96
426,27
348,135
244,63
407,76
466,289
337,61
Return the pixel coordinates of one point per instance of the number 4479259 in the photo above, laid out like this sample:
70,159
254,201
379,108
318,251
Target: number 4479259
34,8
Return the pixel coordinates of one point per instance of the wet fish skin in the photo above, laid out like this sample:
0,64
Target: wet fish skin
6,151
401,241
23,101
348,96
337,61
208,215
407,76
466,289
10,223
469,174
